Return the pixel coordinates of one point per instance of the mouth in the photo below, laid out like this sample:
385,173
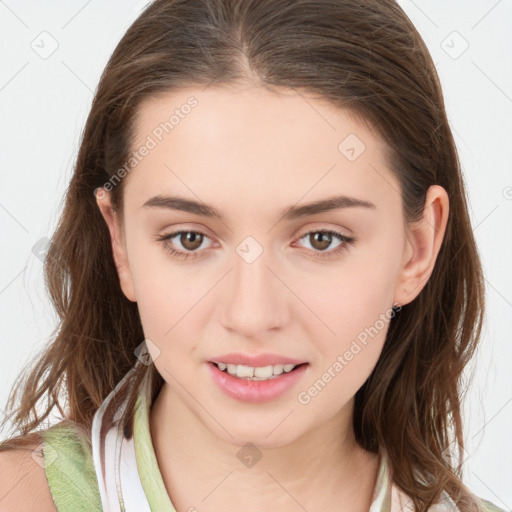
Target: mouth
257,373
256,384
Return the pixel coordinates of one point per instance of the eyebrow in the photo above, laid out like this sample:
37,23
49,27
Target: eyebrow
290,213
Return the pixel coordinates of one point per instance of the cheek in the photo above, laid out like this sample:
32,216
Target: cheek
356,291
355,320
350,307
165,290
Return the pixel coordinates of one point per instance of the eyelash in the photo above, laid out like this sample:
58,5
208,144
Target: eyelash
319,254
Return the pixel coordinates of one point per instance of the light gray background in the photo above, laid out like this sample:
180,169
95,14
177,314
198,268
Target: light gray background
44,100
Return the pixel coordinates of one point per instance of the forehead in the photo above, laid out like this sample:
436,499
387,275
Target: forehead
255,143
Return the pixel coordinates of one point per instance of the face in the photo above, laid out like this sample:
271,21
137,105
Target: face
268,274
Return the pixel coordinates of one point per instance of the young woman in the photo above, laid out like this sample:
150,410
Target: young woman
265,272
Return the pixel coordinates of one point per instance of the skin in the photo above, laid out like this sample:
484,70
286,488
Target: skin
251,152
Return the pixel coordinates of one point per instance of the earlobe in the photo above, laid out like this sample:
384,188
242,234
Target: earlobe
422,245
118,247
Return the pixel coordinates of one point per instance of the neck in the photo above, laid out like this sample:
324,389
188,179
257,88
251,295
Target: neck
204,472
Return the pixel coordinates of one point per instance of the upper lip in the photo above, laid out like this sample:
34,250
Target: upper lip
255,360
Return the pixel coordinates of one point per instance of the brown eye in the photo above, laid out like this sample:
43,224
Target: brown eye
191,240
320,240
183,243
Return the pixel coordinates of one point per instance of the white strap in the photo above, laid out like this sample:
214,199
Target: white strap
119,483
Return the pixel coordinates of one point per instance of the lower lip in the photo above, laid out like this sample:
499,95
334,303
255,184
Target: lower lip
253,390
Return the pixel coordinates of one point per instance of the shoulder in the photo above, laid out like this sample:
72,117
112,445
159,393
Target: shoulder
55,472
23,483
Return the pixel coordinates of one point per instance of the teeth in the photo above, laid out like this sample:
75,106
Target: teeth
256,373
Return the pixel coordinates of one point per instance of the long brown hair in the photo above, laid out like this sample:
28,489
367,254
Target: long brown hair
363,55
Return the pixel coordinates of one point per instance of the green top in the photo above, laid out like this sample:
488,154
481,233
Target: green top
70,470
71,475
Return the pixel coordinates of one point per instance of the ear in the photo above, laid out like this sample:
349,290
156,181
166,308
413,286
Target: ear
119,253
422,245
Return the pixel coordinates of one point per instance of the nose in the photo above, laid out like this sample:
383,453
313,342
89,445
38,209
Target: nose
255,299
